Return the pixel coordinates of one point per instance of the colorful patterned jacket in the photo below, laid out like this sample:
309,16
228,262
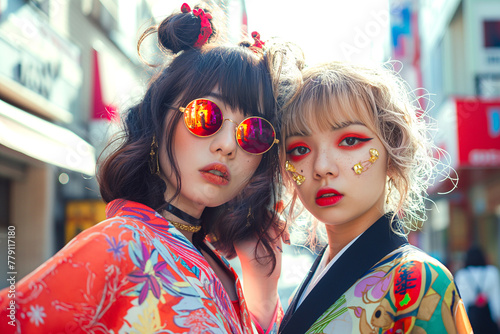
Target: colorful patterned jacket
406,291
132,273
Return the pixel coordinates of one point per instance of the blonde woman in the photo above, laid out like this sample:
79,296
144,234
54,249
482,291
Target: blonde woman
357,155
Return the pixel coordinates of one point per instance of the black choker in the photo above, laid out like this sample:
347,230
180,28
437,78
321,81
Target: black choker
182,215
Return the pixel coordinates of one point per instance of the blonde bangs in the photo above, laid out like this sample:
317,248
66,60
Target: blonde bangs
326,104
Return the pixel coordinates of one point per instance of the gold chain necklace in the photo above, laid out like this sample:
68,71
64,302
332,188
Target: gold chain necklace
185,227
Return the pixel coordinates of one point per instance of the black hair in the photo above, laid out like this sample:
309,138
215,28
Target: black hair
244,81
475,257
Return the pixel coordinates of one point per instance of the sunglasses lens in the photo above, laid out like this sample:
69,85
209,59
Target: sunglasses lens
255,135
203,117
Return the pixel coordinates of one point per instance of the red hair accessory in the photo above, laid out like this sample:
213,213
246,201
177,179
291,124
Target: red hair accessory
185,8
258,43
206,27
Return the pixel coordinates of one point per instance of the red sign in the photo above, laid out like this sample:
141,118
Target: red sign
101,110
478,126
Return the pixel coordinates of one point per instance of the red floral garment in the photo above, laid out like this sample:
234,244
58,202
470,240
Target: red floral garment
132,273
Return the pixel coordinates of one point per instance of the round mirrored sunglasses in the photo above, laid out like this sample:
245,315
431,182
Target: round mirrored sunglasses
204,118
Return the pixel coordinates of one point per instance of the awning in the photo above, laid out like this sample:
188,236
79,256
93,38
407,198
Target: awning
45,141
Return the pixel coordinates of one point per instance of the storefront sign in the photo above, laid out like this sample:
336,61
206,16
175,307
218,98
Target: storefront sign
478,129
38,76
39,58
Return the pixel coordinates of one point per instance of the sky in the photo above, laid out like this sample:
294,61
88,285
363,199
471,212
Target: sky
355,30
350,30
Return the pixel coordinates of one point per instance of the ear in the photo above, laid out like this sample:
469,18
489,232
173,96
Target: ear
390,169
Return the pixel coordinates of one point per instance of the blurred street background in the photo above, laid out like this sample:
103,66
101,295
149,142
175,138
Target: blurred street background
68,68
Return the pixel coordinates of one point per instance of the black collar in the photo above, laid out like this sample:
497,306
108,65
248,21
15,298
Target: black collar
183,215
376,242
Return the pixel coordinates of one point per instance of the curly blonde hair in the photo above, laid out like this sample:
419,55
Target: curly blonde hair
336,92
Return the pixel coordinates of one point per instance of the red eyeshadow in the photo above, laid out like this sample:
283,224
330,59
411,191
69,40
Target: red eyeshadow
296,158
357,135
362,140
294,145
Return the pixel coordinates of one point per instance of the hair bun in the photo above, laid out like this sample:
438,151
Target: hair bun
180,31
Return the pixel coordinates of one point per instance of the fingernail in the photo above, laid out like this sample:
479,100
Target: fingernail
279,248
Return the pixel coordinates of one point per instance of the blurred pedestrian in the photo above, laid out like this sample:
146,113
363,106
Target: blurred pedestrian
357,155
168,183
479,285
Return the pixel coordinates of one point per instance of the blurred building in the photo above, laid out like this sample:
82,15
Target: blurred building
451,48
67,69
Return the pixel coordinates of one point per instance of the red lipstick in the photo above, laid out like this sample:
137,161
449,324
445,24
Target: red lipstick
216,173
328,197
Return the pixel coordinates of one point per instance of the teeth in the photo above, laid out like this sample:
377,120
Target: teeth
216,172
328,195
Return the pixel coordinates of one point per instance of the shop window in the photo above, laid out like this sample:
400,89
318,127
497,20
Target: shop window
491,34
4,202
488,85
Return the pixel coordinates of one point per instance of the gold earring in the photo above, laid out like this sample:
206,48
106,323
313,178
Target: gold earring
249,217
298,178
154,165
361,167
389,193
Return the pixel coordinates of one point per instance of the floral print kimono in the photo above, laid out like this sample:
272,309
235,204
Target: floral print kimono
132,273
405,291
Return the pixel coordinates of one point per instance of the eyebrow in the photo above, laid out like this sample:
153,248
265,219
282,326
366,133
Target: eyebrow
216,95
346,124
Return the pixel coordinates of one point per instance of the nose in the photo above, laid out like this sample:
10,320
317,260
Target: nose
224,141
325,165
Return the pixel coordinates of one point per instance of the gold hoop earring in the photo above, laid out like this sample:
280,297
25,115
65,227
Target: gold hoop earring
298,178
154,164
361,167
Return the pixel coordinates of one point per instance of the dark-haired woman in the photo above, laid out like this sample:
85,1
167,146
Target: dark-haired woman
170,182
